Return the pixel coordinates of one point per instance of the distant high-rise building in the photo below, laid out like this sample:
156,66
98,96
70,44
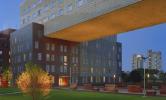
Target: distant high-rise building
154,60
137,62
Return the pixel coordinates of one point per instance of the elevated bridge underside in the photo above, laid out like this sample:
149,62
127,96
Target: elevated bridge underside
142,14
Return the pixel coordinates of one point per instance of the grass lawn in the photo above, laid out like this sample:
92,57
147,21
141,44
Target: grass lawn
8,90
75,95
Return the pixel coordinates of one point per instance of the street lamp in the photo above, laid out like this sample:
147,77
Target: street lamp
114,78
148,77
144,91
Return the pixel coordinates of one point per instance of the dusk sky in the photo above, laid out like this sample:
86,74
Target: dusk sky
138,41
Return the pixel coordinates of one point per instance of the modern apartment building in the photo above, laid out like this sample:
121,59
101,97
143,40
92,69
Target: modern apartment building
95,62
137,62
30,45
5,48
101,61
154,60
69,62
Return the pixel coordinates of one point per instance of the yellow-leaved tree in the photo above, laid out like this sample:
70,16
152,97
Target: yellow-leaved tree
34,81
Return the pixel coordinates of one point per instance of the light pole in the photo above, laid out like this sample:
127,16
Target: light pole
144,82
144,91
148,75
114,78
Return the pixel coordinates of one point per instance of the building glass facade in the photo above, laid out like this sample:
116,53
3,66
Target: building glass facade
100,60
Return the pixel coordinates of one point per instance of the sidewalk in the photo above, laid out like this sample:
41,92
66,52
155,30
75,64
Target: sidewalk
10,93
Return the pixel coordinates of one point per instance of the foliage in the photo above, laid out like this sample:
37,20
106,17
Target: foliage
163,77
135,76
7,74
34,82
125,77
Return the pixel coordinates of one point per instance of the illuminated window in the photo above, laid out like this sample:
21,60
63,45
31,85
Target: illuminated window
36,44
0,52
91,70
47,57
39,56
65,58
91,79
104,79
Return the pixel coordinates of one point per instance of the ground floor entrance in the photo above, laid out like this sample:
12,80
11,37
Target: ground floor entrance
63,81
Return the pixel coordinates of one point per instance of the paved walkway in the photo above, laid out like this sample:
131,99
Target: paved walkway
10,93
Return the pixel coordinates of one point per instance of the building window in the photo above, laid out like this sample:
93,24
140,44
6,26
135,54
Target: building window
60,1
53,68
73,59
61,58
91,79
61,48
1,52
69,8
39,56
48,68
30,56
92,70
51,16
36,44
9,61
45,19
47,46
65,48
81,2
24,57
65,69
53,47
52,57
61,69
60,12
65,58
47,57
76,59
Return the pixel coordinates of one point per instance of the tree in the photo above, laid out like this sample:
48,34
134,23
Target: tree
34,82
7,76
162,77
135,76
125,77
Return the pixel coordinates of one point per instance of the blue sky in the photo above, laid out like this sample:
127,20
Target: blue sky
9,13
138,41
